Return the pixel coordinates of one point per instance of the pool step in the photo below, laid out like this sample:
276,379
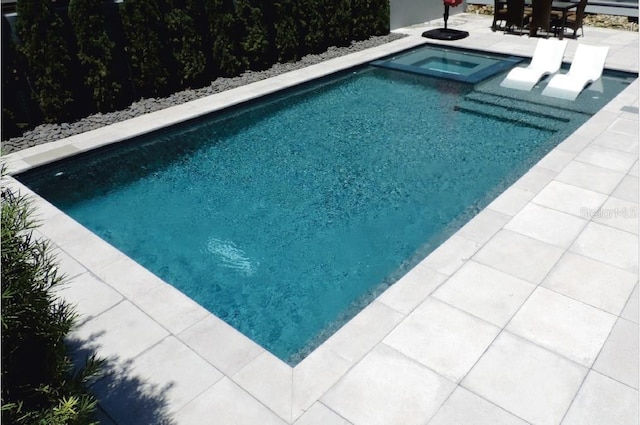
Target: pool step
513,110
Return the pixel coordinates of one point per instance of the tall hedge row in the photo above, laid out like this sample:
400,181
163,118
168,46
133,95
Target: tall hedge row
95,53
82,57
46,55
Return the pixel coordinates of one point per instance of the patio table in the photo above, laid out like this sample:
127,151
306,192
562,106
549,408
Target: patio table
560,6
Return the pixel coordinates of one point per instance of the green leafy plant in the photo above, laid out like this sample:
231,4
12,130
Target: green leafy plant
143,27
312,25
40,384
95,52
338,22
256,41
287,31
47,57
226,55
186,45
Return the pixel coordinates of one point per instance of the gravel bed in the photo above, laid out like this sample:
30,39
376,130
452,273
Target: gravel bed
50,132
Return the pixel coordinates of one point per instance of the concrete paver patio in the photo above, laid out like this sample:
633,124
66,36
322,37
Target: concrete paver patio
528,314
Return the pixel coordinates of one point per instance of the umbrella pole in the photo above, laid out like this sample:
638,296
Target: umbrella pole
446,15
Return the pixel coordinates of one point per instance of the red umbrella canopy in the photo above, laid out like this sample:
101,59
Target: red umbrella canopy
453,3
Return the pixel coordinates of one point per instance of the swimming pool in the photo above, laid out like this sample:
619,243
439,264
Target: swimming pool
286,230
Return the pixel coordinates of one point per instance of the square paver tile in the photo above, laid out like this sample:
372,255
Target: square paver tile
556,160
314,376
89,295
61,228
464,407
625,126
592,282
576,142
590,177
183,313
449,256
627,189
485,292
484,225
609,245
92,252
603,401
611,159
413,288
69,267
535,179
120,333
366,329
319,414
596,125
103,418
269,380
170,370
570,199
563,325
511,201
129,278
442,338
619,356
519,255
221,345
619,141
526,380
630,311
620,214
388,388
226,403
547,225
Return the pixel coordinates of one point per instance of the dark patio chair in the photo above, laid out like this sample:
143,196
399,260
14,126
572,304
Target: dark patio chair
540,17
574,19
516,15
499,13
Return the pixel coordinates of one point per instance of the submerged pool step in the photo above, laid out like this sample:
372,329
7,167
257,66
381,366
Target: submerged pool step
538,110
519,112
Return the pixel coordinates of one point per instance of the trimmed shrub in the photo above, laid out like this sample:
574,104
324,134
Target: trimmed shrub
11,87
143,27
225,55
47,57
338,22
312,26
256,35
39,383
185,43
380,24
287,32
95,52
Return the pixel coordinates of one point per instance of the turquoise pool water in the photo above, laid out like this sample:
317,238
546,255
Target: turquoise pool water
286,216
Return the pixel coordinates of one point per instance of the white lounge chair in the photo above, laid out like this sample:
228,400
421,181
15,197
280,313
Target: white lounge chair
547,59
586,68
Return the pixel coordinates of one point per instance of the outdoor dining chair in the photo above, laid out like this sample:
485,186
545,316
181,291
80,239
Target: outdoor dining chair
573,20
499,13
540,17
516,15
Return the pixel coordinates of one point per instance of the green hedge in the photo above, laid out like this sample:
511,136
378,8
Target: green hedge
97,60
46,56
95,53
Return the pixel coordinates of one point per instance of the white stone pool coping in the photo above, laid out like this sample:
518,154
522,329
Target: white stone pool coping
528,314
